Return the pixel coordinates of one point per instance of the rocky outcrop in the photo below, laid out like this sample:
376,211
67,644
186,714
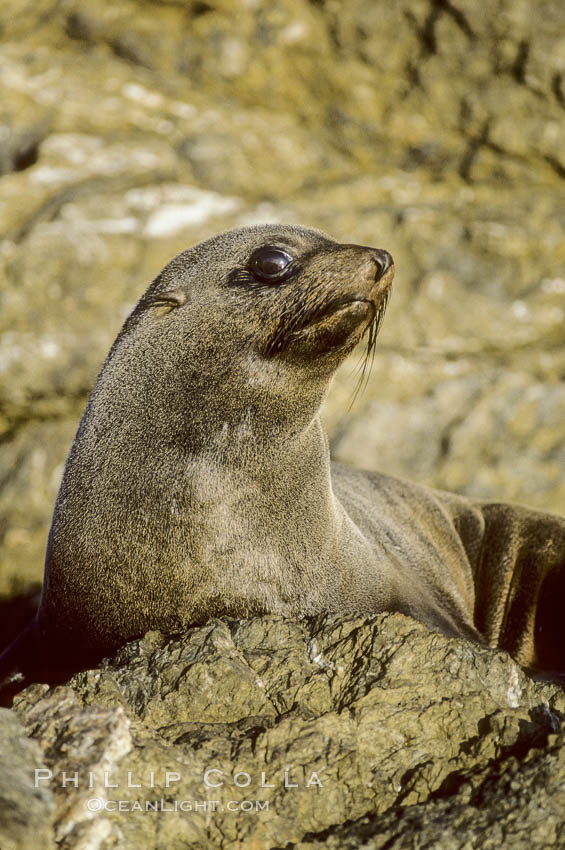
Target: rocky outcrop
26,808
272,733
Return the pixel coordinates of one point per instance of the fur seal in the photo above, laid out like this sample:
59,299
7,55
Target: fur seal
199,483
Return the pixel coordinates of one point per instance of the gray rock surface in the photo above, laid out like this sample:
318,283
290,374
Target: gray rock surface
26,811
351,732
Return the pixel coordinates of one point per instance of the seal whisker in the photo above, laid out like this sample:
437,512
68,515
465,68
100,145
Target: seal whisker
369,355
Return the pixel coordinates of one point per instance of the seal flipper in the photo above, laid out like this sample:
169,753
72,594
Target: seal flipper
520,585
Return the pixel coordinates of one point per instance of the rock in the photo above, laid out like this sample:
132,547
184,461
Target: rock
26,811
518,804
339,727
19,148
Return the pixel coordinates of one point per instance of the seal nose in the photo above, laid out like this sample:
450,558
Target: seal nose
383,261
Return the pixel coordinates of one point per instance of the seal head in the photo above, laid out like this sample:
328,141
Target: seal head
237,323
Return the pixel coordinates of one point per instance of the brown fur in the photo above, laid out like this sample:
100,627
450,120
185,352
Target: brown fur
200,484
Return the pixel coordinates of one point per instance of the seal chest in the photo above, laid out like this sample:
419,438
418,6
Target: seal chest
199,483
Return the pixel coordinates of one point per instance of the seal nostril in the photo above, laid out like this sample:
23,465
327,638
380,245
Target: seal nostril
383,261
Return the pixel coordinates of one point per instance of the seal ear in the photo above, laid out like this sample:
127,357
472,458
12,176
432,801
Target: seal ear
167,301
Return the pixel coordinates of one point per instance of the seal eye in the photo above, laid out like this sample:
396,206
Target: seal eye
270,264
